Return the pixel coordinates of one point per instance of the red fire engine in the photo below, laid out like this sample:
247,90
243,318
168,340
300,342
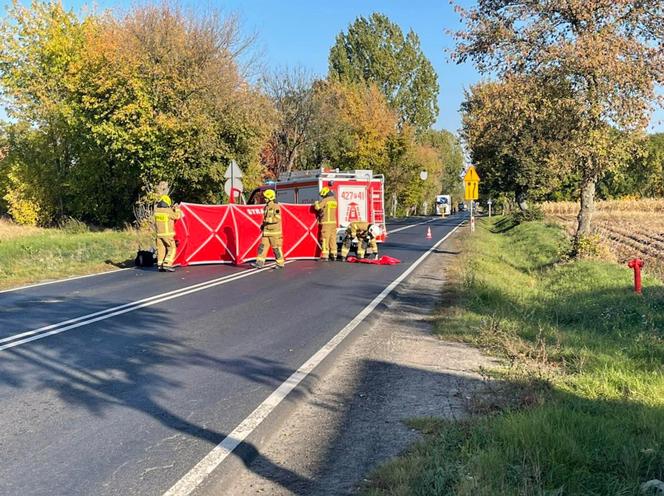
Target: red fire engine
359,193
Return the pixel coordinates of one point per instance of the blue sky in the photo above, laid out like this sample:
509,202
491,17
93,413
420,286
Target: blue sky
300,33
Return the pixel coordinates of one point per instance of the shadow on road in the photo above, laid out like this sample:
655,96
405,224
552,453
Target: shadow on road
128,362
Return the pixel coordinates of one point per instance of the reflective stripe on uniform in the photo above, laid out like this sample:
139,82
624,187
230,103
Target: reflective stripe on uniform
330,212
163,224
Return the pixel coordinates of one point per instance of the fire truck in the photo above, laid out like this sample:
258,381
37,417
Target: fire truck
360,194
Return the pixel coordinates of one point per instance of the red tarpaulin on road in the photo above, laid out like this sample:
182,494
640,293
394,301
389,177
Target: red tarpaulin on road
232,233
384,260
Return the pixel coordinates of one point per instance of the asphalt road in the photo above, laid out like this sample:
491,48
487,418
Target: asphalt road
119,384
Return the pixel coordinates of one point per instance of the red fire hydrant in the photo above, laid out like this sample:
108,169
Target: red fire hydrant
636,264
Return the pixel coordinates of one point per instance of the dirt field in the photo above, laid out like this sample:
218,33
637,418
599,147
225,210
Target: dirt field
628,228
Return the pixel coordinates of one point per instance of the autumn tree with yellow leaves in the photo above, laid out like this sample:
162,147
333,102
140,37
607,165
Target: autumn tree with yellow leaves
103,107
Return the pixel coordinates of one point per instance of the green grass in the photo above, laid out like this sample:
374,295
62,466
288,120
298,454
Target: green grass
578,408
54,253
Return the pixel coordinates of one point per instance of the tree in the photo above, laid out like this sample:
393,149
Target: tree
515,131
353,128
108,107
642,176
450,159
607,51
375,50
292,95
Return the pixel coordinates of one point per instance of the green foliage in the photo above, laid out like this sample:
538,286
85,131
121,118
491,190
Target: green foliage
450,156
355,128
642,176
515,130
529,215
69,225
589,246
606,54
578,408
106,107
375,50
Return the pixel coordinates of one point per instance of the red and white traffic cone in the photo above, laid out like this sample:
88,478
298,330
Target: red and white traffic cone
429,232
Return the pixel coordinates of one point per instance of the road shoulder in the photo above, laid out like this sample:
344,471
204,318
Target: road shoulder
353,419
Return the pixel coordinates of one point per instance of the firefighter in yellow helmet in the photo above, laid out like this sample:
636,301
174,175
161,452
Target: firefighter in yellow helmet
366,235
165,215
327,218
272,234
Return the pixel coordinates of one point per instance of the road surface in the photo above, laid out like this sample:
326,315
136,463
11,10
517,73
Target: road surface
121,383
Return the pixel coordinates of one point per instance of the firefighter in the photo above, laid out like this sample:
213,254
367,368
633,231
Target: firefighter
272,235
165,215
366,235
327,218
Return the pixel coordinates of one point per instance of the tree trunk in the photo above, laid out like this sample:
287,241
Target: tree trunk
291,161
521,200
585,213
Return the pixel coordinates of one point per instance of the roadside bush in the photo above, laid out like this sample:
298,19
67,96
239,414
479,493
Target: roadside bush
73,226
532,214
21,202
590,246
23,210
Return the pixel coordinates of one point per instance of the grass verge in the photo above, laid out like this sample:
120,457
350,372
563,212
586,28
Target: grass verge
578,408
37,255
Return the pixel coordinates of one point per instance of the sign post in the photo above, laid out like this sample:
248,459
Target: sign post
472,185
233,183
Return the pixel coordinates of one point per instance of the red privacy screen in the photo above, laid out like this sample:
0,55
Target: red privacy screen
231,233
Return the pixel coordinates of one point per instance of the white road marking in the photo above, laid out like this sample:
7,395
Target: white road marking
91,318
408,227
67,279
192,479
107,310
64,280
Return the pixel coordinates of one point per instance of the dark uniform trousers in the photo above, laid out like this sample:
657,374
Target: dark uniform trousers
359,230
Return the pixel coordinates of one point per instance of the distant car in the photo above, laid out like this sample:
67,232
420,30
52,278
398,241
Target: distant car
461,207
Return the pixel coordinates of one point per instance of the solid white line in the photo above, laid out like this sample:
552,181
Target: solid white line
122,309
192,479
67,279
108,310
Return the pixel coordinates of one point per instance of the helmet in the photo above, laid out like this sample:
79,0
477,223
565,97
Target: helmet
324,191
269,194
374,230
166,199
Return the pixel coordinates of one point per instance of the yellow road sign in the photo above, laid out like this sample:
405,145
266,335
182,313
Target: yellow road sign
472,182
472,190
471,175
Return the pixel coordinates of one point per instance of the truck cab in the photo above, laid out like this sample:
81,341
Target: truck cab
360,194
443,204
